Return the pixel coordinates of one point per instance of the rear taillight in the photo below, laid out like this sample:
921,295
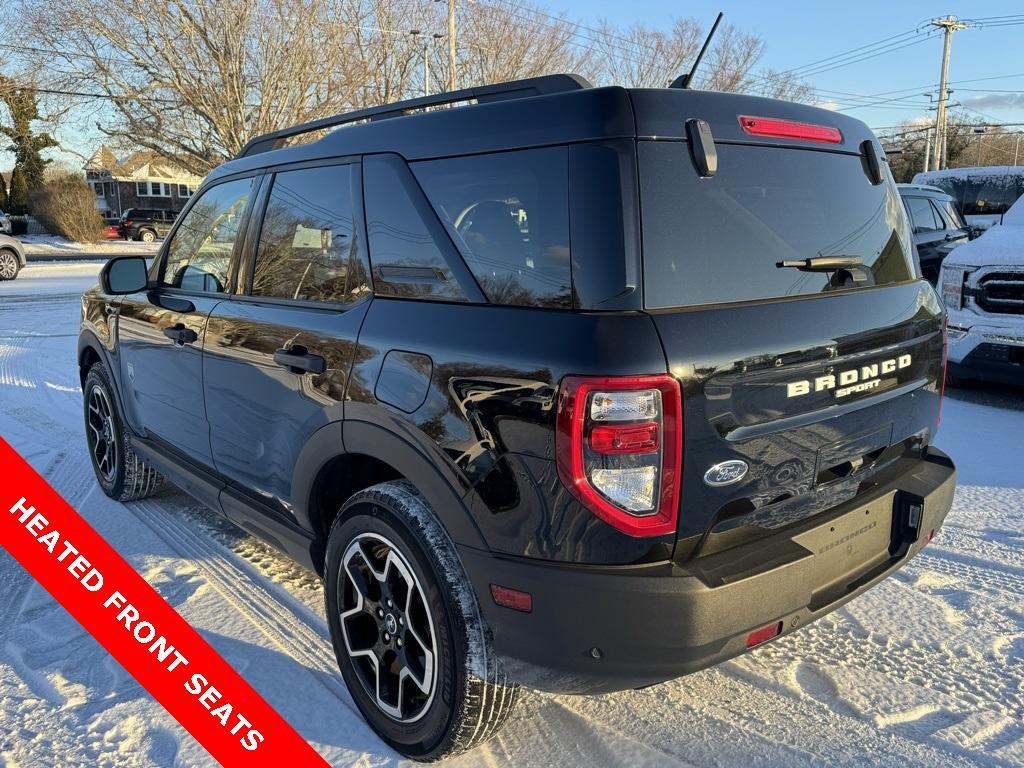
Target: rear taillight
619,448
790,129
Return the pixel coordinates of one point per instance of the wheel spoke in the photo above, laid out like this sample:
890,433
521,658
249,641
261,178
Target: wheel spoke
387,627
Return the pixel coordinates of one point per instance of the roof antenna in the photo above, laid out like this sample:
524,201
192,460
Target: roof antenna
683,81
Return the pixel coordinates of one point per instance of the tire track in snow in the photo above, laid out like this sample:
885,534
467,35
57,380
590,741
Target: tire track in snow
275,614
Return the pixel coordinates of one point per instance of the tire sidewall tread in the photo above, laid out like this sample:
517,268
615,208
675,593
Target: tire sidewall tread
481,698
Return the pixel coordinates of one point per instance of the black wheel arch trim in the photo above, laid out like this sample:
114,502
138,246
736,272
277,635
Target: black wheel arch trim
88,340
438,484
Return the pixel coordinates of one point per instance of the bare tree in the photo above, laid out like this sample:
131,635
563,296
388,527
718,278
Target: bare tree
641,56
648,57
194,81
503,43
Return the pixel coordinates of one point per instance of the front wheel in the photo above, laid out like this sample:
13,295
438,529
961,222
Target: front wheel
9,265
121,473
407,631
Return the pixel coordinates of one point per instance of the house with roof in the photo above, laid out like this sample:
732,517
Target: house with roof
144,179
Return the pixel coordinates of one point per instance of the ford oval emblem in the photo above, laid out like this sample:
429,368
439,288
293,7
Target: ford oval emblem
726,473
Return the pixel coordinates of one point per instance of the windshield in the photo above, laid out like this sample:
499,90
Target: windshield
721,239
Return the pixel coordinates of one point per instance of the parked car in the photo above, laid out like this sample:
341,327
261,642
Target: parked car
12,257
146,224
112,229
983,194
937,224
5,223
983,289
576,388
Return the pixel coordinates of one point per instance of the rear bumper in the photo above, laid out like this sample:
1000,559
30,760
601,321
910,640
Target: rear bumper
613,628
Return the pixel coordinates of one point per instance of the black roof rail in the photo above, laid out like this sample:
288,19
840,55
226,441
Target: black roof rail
516,89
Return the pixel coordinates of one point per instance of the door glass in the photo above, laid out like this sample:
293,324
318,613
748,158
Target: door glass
923,215
307,248
199,254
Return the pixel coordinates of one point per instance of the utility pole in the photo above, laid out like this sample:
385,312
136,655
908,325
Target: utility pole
949,25
927,147
452,82
1016,148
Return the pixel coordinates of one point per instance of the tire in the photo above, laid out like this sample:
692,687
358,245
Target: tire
10,266
120,472
389,539
147,235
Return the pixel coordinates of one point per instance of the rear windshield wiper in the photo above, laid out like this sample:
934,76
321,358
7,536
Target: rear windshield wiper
823,263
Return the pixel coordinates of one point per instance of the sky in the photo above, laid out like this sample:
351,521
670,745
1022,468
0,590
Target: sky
798,34
985,70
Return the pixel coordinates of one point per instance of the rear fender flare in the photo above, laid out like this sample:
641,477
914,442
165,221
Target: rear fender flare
436,481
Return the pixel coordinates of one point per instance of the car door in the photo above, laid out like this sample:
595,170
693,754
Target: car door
276,360
929,235
160,330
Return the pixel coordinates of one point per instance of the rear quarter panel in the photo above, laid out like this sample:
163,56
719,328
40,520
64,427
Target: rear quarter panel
488,415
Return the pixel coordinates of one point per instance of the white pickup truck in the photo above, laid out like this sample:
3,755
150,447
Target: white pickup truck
982,285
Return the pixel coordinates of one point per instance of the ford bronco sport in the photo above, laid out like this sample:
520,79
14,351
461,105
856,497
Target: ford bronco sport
568,387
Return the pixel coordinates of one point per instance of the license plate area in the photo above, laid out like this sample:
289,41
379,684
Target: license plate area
849,546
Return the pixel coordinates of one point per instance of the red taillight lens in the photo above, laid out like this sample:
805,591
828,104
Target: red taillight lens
627,438
790,129
764,634
619,449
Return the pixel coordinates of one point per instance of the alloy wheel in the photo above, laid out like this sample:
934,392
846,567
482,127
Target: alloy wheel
388,630
102,437
8,266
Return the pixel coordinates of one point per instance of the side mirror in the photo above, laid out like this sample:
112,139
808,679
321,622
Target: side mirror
126,274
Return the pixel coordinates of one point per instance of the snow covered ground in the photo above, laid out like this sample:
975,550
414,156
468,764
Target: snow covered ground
927,669
51,245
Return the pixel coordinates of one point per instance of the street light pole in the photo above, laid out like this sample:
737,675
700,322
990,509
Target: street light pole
427,37
452,81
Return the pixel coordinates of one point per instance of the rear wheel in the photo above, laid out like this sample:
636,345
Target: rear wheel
120,472
9,265
147,235
407,631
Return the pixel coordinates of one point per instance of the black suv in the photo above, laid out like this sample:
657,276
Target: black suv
577,388
146,224
937,223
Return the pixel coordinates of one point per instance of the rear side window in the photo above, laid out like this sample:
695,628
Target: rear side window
307,248
508,213
199,254
407,259
720,239
923,215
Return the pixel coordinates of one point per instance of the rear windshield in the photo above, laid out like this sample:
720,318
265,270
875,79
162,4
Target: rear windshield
717,240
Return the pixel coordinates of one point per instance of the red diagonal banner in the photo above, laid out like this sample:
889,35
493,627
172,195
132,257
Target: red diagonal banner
138,627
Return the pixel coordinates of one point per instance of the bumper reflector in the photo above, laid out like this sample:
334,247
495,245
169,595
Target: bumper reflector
764,634
512,598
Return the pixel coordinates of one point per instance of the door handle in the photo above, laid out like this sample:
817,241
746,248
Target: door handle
300,360
180,335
